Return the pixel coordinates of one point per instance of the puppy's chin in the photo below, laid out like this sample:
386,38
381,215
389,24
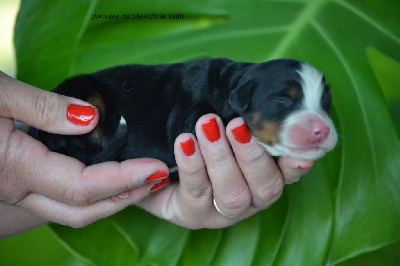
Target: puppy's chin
310,153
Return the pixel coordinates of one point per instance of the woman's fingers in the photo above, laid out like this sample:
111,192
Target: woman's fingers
293,169
82,215
260,171
225,177
192,169
80,185
32,168
48,111
230,189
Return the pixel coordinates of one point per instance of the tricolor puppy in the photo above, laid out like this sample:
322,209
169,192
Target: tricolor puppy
143,108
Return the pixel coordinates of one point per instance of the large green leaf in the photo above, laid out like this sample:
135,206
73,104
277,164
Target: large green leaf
36,247
387,72
346,210
97,247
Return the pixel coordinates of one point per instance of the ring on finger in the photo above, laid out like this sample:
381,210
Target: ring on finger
221,212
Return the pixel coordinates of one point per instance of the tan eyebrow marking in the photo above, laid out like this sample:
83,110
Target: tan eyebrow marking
266,132
293,92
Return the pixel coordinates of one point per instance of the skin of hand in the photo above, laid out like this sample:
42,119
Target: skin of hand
231,167
37,186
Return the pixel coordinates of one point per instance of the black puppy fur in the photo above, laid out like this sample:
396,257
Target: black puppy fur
143,108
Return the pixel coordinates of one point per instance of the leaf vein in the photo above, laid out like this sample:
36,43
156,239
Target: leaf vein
297,26
347,69
82,30
368,19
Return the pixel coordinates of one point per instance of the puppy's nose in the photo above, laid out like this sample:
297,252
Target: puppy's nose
320,133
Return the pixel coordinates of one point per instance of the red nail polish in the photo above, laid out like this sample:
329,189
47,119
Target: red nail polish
306,166
188,147
80,115
157,176
242,134
211,130
163,183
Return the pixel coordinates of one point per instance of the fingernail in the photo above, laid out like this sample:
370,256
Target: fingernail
188,147
163,183
308,166
80,115
157,176
114,199
211,130
242,134
123,195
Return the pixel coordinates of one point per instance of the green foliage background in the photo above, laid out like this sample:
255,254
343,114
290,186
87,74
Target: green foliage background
345,212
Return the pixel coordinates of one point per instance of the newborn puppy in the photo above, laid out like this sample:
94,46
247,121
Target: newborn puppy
143,108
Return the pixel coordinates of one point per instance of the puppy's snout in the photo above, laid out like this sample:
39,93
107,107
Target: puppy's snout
309,132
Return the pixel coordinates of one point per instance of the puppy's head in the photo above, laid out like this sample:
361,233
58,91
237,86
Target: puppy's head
286,104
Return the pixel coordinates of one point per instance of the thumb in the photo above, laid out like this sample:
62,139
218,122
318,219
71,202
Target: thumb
44,110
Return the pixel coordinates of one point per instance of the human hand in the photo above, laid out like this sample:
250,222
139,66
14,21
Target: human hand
232,168
56,187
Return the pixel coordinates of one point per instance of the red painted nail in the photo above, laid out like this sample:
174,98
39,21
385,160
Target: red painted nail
188,147
157,176
242,134
80,115
211,130
163,183
306,166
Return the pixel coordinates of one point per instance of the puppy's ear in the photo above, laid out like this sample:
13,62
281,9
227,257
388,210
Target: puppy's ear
240,97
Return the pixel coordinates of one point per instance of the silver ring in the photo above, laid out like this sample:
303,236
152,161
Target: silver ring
222,213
